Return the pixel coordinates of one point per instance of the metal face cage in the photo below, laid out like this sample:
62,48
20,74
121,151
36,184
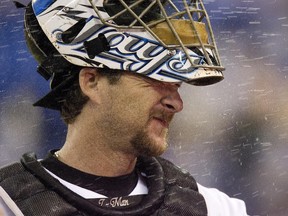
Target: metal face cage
177,24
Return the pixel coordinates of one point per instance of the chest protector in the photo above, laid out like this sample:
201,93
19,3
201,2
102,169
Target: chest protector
36,193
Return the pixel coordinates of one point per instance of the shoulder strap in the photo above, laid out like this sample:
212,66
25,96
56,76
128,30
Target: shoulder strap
31,195
176,175
182,196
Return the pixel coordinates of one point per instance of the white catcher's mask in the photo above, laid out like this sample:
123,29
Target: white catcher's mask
167,40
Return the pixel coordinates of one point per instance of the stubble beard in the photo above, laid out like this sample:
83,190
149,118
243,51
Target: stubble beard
144,145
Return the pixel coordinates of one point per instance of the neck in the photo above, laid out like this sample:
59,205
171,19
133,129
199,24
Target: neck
94,155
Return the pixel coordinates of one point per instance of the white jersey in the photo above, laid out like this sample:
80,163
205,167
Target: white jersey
219,204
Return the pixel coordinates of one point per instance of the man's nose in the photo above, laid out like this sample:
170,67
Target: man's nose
172,100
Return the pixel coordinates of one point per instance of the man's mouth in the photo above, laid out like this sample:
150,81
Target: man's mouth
162,121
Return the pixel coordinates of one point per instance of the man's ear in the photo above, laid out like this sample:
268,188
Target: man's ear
88,81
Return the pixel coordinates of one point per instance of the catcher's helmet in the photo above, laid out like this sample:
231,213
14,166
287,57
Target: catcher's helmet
167,40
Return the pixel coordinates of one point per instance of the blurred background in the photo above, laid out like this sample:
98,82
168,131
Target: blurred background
232,136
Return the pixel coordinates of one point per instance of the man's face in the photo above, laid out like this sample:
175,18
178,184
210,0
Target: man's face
137,112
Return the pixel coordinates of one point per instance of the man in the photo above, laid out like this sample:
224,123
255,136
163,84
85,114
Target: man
115,70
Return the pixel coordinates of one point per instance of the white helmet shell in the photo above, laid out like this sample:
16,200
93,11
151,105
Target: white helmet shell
166,41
